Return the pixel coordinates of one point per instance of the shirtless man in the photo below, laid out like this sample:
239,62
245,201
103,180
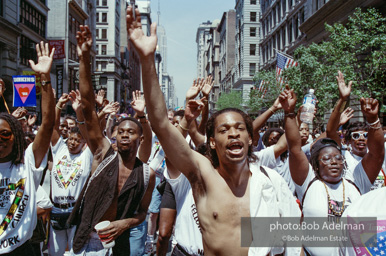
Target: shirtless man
117,184
229,185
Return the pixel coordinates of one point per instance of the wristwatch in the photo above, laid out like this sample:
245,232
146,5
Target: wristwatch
44,83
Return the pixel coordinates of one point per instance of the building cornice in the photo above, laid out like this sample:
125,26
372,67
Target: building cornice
74,4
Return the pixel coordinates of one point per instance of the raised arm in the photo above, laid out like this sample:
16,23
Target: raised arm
262,119
333,122
43,137
208,85
173,143
96,141
58,109
76,103
298,162
138,104
373,159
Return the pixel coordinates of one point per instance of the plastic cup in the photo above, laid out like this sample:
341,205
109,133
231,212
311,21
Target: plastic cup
104,238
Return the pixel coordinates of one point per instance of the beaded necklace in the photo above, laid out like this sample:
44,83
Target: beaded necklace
339,214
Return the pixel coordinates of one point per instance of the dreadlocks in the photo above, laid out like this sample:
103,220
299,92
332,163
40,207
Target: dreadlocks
19,144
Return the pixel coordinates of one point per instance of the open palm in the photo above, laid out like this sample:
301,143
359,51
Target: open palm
44,59
84,40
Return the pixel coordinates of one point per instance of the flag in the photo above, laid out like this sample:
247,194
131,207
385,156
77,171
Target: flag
263,88
24,91
283,62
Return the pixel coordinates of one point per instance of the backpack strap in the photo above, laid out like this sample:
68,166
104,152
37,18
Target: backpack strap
305,193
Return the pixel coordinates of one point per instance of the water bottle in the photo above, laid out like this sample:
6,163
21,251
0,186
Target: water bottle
309,102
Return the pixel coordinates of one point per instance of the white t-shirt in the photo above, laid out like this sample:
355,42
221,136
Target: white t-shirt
353,161
158,164
316,204
69,173
187,228
42,199
372,204
267,158
18,201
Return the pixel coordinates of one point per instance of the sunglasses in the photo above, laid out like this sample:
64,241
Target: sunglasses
6,136
326,159
113,140
357,135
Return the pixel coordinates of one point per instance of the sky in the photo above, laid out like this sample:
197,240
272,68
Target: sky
181,18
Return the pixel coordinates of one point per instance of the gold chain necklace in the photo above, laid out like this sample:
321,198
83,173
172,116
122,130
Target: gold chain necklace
339,214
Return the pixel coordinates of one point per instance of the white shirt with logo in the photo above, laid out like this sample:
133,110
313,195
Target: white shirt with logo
18,185
69,173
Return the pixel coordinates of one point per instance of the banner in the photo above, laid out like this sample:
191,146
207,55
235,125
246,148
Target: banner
59,81
59,49
24,91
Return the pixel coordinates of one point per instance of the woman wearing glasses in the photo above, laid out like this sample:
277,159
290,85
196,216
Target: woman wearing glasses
364,138
323,187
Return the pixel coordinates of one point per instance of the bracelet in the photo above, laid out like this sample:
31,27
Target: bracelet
379,126
290,114
374,122
273,112
139,117
183,128
80,122
58,107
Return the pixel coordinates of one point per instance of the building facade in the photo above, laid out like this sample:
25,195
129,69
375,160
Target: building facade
227,29
246,44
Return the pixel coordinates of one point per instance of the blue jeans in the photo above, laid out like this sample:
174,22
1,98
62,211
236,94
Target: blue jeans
137,239
156,197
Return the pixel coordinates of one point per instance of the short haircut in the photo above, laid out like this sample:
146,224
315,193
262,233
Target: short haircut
315,151
353,127
210,128
75,129
70,117
133,120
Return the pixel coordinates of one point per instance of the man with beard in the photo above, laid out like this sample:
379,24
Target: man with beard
119,181
230,184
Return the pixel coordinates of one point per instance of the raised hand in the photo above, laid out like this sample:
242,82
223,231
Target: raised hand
287,99
346,115
344,90
193,109
195,89
76,100
63,99
145,45
84,41
370,107
44,59
99,97
111,108
19,112
31,120
276,105
208,85
138,103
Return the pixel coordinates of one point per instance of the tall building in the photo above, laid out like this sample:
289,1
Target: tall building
227,29
23,25
202,38
247,39
287,24
108,59
280,22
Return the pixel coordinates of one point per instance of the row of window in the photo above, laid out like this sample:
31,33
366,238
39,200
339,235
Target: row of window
101,17
102,50
102,2
33,19
101,33
27,50
73,25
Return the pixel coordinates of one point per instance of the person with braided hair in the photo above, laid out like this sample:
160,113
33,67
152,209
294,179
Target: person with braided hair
21,168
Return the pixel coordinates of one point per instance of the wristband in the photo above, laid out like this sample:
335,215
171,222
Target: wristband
374,122
273,112
183,128
80,122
